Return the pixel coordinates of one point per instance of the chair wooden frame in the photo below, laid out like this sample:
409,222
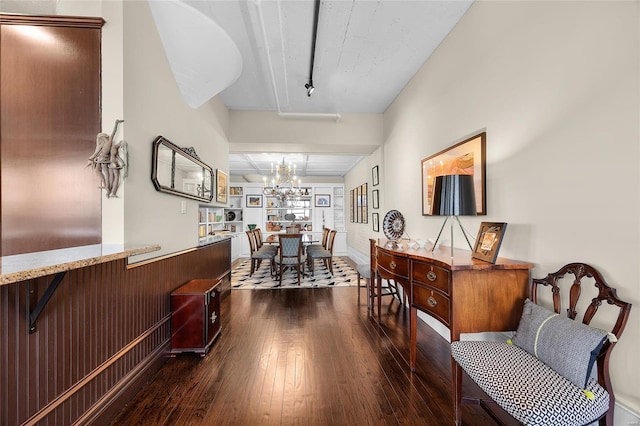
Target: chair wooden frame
605,294
323,245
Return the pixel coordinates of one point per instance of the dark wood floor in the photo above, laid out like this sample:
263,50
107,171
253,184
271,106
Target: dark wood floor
308,357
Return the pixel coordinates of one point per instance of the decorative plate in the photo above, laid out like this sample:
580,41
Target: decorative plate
231,216
290,216
393,225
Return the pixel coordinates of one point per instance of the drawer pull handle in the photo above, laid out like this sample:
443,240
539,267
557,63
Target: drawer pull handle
393,265
213,318
432,301
431,276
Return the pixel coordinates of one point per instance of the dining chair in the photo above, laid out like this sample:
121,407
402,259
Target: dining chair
258,255
326,255
293,229
290,255
323,246
260,245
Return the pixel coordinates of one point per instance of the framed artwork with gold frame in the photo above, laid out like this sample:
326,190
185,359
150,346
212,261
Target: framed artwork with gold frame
464,158
222,186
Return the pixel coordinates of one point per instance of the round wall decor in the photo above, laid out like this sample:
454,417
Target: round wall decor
393,225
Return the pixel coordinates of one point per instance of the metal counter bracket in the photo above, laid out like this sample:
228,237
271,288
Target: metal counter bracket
35,312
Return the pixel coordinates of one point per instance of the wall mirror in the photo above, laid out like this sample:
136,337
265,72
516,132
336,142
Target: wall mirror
179,171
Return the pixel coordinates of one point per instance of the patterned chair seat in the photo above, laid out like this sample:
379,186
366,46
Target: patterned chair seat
263,254
527,388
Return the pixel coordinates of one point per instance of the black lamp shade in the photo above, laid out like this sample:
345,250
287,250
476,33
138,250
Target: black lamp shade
453,195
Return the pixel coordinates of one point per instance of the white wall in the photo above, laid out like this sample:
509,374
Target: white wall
352,134
154,106
556,87
358,234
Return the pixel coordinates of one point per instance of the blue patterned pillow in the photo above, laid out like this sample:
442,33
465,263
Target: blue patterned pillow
567,346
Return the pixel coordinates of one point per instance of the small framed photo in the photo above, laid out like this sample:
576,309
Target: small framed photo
254,200
375,194
488,241
221,193
375,218
375,176
323,200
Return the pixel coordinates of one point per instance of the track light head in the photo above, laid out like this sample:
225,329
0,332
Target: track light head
310,88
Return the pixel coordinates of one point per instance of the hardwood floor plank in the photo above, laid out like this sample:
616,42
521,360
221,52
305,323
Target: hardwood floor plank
305,357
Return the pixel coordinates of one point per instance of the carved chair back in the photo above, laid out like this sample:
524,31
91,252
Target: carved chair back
605,293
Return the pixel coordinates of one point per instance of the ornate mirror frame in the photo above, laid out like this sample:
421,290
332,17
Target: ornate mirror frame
180,172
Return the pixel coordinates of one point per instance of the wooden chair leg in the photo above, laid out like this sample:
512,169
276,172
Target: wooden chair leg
457,392
358,289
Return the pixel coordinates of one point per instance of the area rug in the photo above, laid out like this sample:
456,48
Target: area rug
343,276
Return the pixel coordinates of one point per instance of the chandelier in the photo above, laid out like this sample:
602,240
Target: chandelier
282,182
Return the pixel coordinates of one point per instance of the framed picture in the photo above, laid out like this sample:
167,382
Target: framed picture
221,193
375,195
351,204
375,218
375,176
358,203
362,212
488,241
254,200
465,158
323,200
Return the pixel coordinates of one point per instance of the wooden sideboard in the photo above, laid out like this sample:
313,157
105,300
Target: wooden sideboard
465,294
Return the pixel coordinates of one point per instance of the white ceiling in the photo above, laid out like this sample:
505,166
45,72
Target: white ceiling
366,52
317,165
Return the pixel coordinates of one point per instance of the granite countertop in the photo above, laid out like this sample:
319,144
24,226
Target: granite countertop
27,266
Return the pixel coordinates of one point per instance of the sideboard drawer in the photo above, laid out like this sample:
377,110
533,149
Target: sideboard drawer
427,273
431,301
396,265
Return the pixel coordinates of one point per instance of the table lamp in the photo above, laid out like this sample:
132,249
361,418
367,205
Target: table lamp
453,196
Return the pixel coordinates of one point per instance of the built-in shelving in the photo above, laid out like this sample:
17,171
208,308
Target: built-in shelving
280,214
210,223
233,215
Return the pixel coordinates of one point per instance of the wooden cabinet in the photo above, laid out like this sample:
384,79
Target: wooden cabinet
50,114
195,316
467,295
